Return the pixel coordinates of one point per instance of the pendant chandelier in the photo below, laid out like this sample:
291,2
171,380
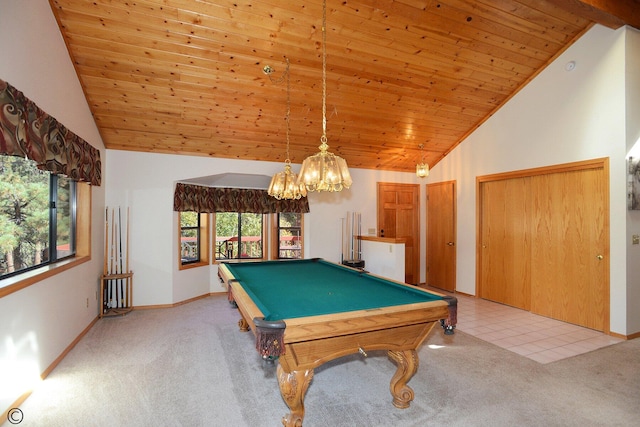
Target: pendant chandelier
422,168
284,185
324,171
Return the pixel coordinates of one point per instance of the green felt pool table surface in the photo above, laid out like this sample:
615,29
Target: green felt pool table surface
308,287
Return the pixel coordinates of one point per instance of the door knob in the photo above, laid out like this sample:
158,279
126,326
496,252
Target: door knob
449,243
599,257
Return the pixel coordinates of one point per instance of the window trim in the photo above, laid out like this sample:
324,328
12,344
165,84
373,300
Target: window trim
15,283
203,241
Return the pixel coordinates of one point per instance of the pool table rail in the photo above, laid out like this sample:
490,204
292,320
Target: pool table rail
331,325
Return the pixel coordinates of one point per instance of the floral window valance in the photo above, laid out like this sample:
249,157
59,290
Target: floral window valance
196,198
27,131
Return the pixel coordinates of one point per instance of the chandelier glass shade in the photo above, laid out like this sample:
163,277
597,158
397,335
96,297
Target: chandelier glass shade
422,168
324,171
284,185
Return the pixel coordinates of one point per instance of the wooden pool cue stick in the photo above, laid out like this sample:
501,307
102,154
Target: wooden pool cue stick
120,257
129,279
111,263
119,280
105,300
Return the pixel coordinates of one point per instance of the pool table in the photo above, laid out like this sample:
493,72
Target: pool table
307,312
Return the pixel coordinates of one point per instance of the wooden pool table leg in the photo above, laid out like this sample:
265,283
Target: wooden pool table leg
407,361
243,325
293,387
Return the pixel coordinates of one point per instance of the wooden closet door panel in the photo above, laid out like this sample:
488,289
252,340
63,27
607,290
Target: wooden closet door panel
545,292
569,248
505,242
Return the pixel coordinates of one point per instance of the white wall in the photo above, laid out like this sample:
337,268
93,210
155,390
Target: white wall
560,117
633,143
39,322
384,259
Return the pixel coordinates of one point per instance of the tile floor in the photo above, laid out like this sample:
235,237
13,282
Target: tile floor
539,338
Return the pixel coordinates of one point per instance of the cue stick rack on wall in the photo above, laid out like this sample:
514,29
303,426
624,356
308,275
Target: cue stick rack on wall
351,243
116,283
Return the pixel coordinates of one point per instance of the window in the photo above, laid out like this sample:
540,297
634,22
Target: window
37,216
239,235
189,237
288,236
194,238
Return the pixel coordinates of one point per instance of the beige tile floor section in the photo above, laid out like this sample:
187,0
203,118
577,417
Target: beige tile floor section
539,338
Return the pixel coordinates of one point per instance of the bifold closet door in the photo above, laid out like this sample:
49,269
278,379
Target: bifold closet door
505,242
570,248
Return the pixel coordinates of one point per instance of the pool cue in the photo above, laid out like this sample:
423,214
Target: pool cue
115,259
120,256
342,241
111,263
129,290
105,300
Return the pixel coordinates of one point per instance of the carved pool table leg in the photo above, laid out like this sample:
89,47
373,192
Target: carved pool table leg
293,387
243,325
407,361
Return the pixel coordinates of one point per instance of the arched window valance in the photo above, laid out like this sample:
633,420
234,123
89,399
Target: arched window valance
27,131
196,198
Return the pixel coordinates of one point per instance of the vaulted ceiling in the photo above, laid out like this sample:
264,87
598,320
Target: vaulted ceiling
186,76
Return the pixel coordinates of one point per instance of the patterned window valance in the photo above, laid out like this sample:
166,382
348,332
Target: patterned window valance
196,198
27,131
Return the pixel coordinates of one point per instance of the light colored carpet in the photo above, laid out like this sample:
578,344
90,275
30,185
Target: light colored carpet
191,366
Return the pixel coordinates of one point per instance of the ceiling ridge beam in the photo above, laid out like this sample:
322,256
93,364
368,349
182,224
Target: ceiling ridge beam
612,14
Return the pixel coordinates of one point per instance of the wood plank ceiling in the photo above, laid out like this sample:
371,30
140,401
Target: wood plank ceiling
186,76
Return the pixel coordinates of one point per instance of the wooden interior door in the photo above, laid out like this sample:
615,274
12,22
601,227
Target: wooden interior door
505,245
441,235
569,278
399,217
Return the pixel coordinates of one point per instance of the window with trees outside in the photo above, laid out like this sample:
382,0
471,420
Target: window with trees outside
194,239
189,237
37,216
288,229
239,235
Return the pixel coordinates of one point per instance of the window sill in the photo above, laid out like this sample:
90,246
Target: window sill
21,281
237,261
193,265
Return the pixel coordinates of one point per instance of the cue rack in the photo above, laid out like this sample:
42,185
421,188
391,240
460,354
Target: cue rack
351,243
116,283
